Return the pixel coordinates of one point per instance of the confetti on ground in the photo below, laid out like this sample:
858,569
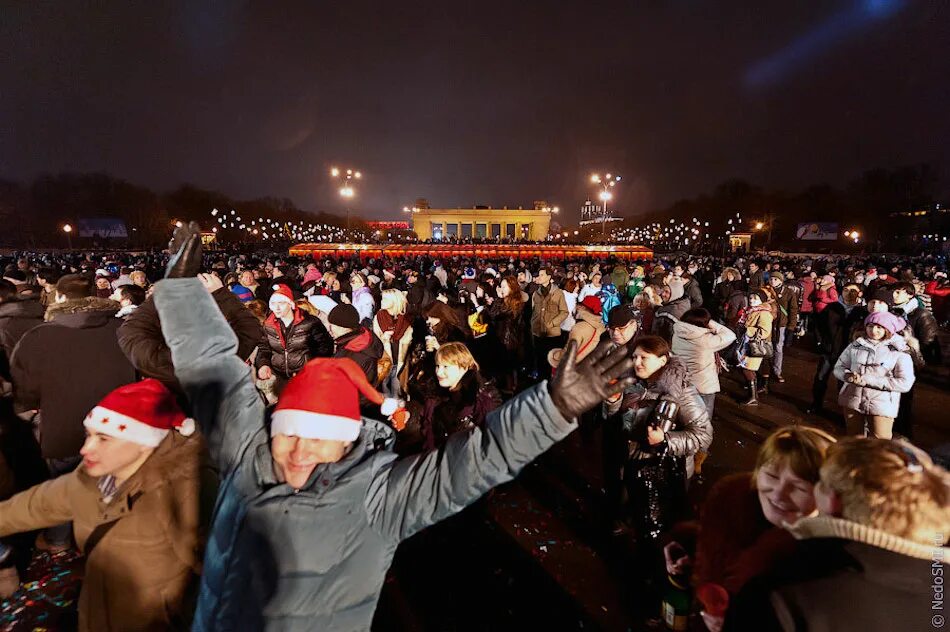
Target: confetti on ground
46,599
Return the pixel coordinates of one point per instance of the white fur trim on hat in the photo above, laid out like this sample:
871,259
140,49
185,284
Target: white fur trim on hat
277,297
109,422
389,406
310,425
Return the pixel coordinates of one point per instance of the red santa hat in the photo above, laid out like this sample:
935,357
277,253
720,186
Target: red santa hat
323,402
281,293
143,413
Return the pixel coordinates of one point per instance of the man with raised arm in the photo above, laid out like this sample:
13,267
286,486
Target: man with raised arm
313,502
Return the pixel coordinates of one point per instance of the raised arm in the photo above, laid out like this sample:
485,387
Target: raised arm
410,494
218,384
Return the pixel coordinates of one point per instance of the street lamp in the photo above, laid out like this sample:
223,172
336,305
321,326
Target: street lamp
347,192
607,182
68,229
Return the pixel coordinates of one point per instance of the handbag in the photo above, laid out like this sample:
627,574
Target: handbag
760,348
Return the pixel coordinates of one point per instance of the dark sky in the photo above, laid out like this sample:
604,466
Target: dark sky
473,102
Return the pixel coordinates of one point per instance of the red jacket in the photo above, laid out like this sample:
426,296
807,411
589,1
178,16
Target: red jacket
939,303
808,289
735,542
824,297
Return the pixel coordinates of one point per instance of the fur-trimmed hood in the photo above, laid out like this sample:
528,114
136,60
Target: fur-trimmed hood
83,305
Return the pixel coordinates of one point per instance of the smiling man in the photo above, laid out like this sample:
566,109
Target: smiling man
135,505
312,508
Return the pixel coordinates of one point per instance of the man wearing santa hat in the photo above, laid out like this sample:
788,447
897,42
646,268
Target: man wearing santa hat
139,505
291,337
313,502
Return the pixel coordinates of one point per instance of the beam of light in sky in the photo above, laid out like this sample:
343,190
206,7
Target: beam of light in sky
834,30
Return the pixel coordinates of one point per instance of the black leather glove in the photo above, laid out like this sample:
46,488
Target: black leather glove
185,247
578,387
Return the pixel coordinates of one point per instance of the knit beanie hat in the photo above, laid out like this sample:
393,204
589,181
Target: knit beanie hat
142,412
887,320
281,293
344,315
827,280
244,294
323,401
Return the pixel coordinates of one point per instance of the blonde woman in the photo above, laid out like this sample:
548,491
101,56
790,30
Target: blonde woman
462,400
394,327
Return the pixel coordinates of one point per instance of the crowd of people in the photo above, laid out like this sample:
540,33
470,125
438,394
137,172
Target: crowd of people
241,441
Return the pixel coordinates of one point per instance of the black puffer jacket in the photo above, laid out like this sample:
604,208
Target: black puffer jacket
141,340
16,318
285,349
923,323
692,430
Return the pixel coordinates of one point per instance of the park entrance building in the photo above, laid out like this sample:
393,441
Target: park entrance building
481,223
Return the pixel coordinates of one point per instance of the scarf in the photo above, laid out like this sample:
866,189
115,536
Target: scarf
397,325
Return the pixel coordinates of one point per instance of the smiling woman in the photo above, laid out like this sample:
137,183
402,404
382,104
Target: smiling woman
741,529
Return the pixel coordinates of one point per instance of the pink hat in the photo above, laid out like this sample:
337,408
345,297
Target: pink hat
887,320
143,412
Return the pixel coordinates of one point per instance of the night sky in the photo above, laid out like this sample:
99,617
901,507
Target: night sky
473,102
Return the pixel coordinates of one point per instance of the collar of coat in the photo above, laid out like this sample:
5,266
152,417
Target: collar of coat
85,305
829,527
374,436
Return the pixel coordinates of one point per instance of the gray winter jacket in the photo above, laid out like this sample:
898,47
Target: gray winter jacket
885,368
692,429
315,558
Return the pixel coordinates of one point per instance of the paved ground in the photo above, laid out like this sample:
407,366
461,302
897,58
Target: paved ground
535,553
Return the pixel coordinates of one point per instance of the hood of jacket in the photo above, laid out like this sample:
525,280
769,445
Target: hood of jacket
89,306
361,341
686,331
22,309
591,319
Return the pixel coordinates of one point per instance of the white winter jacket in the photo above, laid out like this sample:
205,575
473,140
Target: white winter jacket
885,368
697,348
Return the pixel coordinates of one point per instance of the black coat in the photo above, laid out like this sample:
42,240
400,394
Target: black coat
16,318
140,337
834,327
285,349
923,323
363,347
447,412
66,366
836,584
506,326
